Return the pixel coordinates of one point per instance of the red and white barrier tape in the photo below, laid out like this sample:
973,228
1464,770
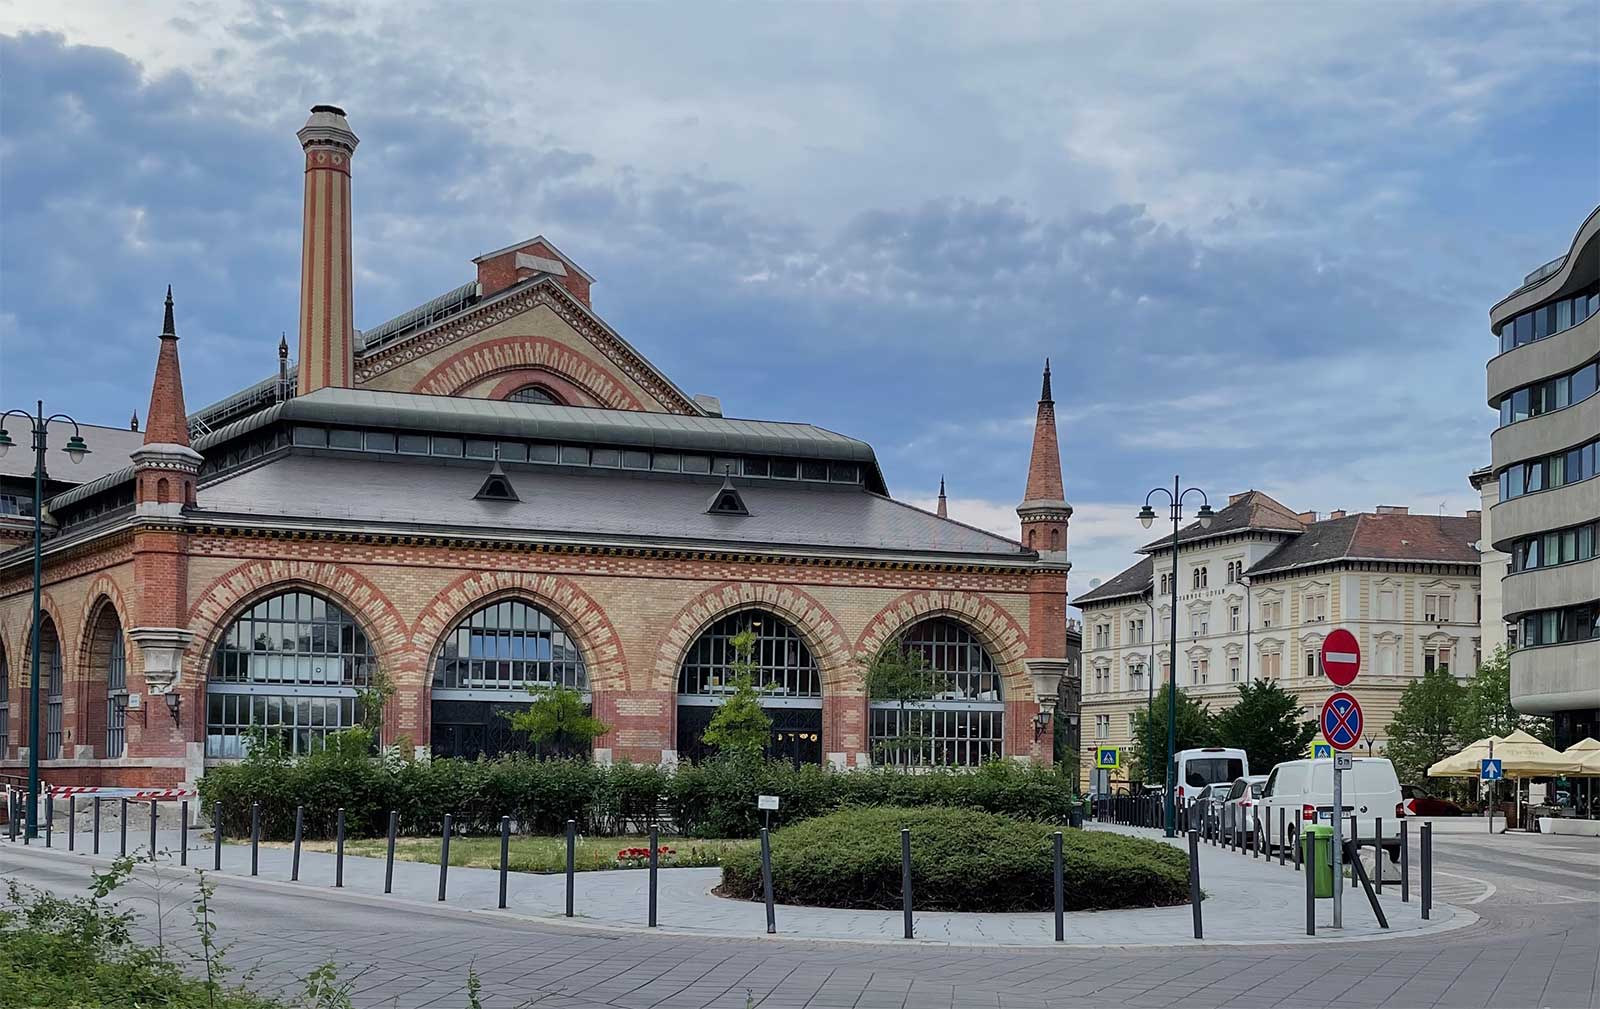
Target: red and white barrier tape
107,792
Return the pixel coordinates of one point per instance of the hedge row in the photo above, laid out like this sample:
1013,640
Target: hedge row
961,860
714,799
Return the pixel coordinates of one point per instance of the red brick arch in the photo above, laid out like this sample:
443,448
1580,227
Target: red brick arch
225,598
999,632
577,612
105,590
821,632
468,367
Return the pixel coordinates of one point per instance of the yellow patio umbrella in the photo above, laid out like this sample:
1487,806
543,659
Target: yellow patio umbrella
1464,764
1523,756
1587,753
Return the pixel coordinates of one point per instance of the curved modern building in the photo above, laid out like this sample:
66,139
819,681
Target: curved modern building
1544,382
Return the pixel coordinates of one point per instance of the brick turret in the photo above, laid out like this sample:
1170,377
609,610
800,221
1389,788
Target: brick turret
1044,510
1044,513
944,508
327,333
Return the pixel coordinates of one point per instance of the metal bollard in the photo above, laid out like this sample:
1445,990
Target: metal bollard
1255,834
1377,859
153,819
255,838
388,858
183,832
11,815
1194,883
122,830
1283,834
905,877
766,881
299,834
654,841
338,848
96,825
505,856
572,847
72,822
444,855
49,818
1296,841
1355,849
216,836
1061,887
1405,861
33,825
1311,888
1427,870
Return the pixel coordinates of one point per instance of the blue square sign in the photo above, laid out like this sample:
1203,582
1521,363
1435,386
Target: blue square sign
1490,769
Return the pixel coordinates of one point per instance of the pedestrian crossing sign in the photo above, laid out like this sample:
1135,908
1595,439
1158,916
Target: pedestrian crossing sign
1321,750
1108,758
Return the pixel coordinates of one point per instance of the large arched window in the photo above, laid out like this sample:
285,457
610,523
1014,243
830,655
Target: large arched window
963,724
5,705
489,665
780,666
50,673
532,394
291,664
108,660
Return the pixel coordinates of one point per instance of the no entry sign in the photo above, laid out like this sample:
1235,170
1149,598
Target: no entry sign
1341,657
1341,721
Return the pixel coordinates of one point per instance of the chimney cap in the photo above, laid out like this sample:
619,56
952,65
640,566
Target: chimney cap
336,110
327,125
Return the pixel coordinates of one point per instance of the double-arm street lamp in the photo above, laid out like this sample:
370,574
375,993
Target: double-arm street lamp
76,450
1147,515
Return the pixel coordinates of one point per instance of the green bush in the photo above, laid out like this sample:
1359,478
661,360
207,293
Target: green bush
713,799
961,860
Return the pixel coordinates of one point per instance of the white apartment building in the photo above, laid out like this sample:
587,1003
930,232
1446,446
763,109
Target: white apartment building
1257,593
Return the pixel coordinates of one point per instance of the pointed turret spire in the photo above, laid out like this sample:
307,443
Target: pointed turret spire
1044,468
944,510
133,422
167,422
1044,394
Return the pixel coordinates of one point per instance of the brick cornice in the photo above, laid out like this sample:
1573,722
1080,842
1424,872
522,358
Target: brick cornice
496,310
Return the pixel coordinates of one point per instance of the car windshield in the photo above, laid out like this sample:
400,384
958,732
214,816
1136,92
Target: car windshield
1206,770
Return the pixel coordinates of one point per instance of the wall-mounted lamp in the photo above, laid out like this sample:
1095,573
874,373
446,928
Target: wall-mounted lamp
174,704
1041,722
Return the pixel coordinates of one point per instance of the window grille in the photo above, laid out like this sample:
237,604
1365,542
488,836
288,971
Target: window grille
964,724
513,646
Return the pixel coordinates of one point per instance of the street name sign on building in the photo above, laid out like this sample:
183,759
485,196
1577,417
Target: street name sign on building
1341,657
1320,751
1108,758
1490,769
1341,721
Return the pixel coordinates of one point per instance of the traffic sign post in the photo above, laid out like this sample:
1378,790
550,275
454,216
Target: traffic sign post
1108,758
1319,751
1490,769
1341,657
1341,720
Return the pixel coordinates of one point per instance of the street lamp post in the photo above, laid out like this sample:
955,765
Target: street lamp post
1147,515
76,450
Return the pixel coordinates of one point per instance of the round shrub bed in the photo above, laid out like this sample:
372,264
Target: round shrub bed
961,860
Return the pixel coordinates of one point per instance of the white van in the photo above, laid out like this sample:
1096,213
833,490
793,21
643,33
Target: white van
1303,789
1211,765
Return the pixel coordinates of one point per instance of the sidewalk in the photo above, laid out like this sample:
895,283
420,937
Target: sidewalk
1248,902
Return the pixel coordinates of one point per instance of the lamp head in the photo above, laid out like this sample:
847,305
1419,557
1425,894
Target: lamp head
1147,515
1205,515
5,442
76,449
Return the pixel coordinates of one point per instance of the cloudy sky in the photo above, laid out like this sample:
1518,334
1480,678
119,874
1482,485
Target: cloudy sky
1257,241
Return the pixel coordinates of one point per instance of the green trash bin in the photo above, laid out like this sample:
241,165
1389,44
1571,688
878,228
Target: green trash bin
1316,840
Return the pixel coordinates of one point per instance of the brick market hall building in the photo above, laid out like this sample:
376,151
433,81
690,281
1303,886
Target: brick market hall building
488,495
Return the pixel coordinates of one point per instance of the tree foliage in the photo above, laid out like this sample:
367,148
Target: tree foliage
902,675
740,725
1486,708
558,718
1196,727
1268,723
1424,728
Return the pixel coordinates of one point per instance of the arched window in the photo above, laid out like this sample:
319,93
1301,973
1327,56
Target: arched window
291,664
108,658
532,394
5,705
50,672
490,665
964,722
780,666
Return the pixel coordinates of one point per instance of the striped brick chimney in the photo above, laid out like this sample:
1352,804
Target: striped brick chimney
327,332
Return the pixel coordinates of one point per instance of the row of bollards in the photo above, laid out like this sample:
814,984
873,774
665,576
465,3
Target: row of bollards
16,803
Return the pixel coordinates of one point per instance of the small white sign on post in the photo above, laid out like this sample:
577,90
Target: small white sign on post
766,802
135,702
1343,762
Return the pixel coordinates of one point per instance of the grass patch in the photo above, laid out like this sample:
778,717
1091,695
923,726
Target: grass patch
539,854
961,860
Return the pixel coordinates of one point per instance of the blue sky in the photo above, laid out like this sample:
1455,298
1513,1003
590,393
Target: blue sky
1258,242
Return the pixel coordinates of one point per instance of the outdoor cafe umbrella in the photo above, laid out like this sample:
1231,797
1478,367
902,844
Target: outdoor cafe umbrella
1464,764
1587,754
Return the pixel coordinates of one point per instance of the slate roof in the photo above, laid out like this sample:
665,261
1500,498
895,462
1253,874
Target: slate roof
109,448
1436,539
589,505
1134,581
1250,511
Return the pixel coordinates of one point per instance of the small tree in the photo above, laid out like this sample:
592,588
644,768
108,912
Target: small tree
559,718
902,676
1423,730
741,726
1486,708
1267,722
1196,727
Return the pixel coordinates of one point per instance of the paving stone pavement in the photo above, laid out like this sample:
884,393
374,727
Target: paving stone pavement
415,954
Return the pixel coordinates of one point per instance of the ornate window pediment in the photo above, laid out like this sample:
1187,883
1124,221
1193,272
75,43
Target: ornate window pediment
1269,645
1232,649
1198,651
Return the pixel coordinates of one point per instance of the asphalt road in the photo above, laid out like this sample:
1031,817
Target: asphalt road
1537,944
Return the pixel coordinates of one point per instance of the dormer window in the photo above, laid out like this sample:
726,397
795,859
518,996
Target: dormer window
727,500
496,486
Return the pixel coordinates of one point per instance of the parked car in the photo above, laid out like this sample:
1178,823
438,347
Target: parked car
1420,803
1240,802
1204,807
1210,765
1303,790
